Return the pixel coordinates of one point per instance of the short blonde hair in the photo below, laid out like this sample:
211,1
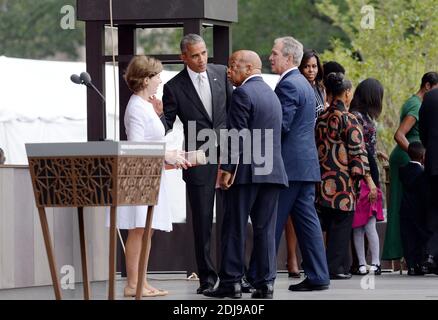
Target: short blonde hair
140,68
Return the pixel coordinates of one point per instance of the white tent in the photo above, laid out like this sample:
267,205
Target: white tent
39,103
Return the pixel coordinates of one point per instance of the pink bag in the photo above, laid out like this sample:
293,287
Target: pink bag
365,209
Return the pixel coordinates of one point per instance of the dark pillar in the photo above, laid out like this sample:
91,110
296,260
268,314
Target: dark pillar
221,44
127,46
96,111
192,26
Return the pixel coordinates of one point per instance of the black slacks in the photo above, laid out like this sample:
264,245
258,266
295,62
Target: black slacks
201,198
432,217
258,201
337,225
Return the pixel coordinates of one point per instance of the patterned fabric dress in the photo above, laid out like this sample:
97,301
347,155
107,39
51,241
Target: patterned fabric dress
369,130
342,157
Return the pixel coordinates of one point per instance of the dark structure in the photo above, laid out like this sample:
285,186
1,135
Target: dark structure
192,16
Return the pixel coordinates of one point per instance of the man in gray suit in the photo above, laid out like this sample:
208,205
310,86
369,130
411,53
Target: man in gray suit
199,95
300,158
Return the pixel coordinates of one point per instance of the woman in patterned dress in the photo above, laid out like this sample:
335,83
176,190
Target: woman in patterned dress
343,161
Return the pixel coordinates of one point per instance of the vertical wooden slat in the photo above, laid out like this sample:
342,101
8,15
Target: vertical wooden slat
112,253
49,250
96,227
7,229
23,226
83,253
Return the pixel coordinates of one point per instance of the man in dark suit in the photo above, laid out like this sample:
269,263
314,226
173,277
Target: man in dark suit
429,137
199,95
300,158
413,209
253,178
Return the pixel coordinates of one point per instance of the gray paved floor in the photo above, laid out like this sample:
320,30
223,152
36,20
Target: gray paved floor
388,286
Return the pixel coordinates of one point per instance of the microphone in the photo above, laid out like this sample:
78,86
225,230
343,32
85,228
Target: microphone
85,79
75,79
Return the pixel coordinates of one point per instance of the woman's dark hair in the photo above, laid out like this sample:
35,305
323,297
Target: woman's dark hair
332,66
309,53
368,98
336,84
430,77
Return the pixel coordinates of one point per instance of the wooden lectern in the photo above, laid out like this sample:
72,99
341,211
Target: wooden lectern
106,173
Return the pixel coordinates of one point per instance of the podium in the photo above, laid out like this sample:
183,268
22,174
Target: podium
107,173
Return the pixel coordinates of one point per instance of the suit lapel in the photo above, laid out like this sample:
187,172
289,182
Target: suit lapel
215,88
290,73
192,94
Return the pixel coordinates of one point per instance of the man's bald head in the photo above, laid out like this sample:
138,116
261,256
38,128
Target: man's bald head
243,64
250,58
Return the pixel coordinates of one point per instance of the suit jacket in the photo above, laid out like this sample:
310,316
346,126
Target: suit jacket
429,130
255,106
415,192
181,99
298,127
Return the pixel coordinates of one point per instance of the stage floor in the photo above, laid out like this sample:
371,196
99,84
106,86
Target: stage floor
388,286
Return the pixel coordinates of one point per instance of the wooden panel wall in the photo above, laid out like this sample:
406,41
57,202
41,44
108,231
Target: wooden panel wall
23,259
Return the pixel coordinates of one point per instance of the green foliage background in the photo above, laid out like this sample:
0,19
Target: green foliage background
398,51
31,29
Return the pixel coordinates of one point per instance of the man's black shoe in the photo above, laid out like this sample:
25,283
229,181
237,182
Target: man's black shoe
232,291
340,276
264,292
204,287
429,266
415,271
307,286
246,286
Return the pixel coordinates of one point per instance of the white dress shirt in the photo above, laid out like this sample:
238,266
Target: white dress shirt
204,92
284,73
253,76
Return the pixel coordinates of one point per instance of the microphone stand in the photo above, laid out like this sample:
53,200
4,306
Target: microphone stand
91,85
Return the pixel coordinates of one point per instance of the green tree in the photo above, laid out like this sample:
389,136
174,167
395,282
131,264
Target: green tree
399,49
261,21
32,29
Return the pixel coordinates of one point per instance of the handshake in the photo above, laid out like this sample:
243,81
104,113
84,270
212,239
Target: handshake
180,159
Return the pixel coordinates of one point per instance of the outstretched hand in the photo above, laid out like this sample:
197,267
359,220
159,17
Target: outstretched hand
176,158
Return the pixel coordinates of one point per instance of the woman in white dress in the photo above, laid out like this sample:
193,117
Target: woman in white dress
143,124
